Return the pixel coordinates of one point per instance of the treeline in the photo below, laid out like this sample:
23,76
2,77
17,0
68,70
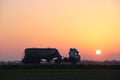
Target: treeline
85,62
60,66
106,62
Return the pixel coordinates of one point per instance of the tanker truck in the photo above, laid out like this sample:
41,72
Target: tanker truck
35,56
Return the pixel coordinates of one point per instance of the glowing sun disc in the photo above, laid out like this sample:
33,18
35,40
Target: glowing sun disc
98,52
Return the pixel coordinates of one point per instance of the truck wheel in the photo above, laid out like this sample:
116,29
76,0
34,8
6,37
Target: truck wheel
49,60
36,61
26,61
57,61
74,62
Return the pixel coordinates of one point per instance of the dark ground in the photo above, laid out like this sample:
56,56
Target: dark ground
59,72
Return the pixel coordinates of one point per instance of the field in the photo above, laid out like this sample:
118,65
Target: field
16,72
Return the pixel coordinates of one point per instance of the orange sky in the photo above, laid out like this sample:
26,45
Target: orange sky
83,24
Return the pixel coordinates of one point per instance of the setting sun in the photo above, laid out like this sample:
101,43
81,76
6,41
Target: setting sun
98,52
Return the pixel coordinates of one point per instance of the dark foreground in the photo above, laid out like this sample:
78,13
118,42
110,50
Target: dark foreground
59,72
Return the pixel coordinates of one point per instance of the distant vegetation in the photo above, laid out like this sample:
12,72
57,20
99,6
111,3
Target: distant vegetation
85,64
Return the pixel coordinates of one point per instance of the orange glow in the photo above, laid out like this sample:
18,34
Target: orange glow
84,24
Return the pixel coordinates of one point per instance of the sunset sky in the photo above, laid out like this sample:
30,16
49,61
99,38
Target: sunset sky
87,25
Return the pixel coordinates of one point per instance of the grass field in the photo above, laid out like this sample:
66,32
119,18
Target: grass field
59,74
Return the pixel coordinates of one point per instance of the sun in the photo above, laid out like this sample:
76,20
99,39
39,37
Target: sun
98,52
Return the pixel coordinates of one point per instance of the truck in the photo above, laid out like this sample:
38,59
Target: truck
36,55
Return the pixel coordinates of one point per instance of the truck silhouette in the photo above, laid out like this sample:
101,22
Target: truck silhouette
35,55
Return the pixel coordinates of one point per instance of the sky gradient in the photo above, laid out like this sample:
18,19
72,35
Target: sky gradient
83,24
